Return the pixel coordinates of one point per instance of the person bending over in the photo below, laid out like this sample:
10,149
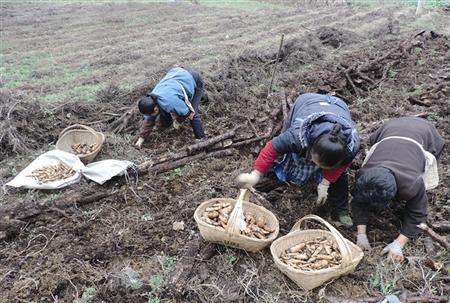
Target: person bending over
318,141
174,99
400,165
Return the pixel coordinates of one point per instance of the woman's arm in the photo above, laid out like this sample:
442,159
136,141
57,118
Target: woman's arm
265,159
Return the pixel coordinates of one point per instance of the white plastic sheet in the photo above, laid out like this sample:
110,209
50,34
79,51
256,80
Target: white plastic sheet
102,171
99,172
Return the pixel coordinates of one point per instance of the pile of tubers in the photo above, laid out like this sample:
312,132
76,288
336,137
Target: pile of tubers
315,254
59,171
219,213
83,148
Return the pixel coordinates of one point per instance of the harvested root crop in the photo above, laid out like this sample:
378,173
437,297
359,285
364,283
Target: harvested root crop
316,254
83,148
51,173
256,227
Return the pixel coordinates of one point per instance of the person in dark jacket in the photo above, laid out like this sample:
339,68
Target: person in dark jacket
174,99
319,141
401,164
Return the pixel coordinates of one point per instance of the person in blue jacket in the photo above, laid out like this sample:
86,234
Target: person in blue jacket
174,99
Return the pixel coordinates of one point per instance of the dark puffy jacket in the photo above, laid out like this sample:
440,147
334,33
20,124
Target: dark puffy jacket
312,116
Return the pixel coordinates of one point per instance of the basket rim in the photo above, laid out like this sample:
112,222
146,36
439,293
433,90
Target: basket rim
359,255
273,237
100,138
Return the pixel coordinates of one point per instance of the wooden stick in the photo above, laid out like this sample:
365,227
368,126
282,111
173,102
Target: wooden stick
166,166
443,226
284,107
249,141
433,235
276,64
121,123
189,150
350,81
203,144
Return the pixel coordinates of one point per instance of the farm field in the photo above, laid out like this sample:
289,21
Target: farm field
86,62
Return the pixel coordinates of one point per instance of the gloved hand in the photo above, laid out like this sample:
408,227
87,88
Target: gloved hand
249,180
394,251
176,125
139,142
363,242
322,192
146,130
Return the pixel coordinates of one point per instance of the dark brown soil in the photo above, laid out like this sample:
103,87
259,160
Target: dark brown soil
123,247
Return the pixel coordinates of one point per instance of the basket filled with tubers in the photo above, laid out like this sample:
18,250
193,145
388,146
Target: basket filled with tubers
237,223
312,257
82,141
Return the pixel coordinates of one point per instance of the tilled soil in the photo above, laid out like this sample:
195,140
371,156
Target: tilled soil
122,248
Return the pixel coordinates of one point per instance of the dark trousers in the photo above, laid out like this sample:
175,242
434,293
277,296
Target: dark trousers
338,194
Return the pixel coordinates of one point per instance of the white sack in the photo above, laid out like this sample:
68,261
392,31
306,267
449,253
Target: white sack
99,172
102,171
52,157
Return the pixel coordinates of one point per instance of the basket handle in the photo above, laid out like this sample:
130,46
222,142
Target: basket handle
345,250
234,221
78,126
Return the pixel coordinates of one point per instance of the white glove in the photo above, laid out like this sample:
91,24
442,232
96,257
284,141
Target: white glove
363,242
322,191
394,251
139,142
176,125
249,180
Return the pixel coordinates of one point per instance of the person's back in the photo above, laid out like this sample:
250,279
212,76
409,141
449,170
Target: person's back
404,158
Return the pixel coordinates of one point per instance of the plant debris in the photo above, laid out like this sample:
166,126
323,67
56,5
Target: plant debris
316,254
256,227
52,173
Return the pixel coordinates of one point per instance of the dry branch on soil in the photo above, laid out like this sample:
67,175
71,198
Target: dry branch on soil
166,166
433,235
370,74
443,226
189,150
21,124
122,123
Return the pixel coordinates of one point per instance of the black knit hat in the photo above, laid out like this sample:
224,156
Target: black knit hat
147,105
375,188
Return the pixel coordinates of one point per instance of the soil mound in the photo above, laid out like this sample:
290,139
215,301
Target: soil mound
336,37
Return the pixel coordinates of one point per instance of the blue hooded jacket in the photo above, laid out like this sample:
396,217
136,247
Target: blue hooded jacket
169,93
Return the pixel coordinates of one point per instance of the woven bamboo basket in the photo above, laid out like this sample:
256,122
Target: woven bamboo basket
79,133
235,239
351,254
